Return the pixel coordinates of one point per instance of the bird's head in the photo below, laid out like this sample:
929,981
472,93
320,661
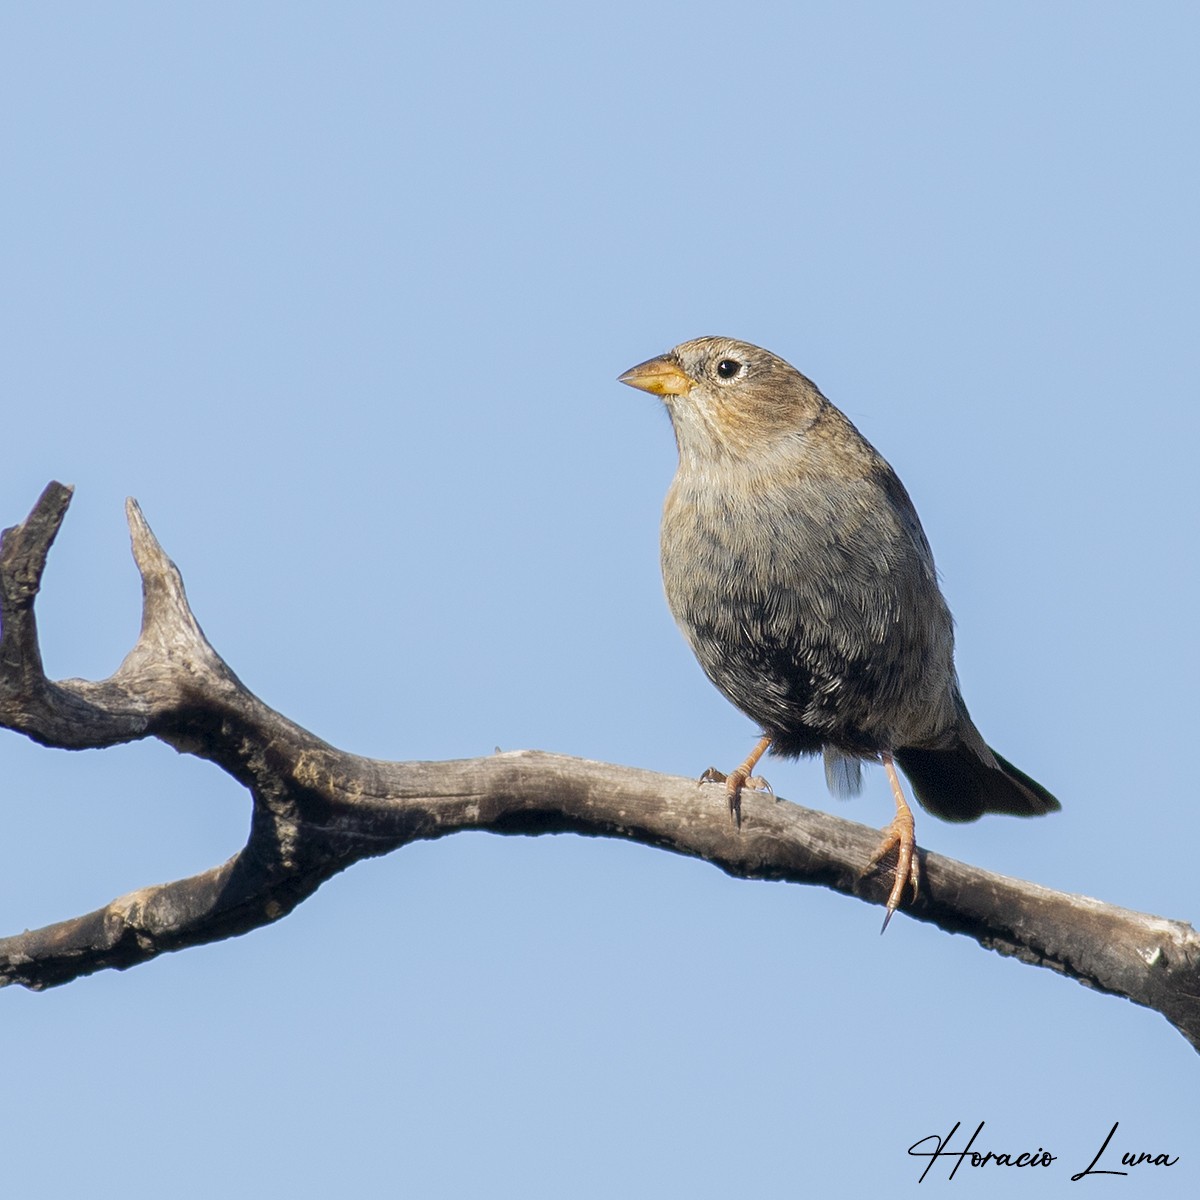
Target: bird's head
729,399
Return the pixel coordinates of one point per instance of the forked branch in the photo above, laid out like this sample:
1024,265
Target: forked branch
317,809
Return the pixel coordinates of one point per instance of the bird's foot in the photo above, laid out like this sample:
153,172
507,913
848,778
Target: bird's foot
899,836
734,785
741,778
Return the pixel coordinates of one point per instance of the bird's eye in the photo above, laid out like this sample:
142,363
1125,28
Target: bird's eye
727,368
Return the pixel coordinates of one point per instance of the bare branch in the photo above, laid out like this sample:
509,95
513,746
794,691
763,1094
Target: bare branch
316,810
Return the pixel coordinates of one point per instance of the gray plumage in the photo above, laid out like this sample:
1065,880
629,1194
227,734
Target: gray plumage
796,566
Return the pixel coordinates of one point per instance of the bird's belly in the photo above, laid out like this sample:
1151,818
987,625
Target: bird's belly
803,684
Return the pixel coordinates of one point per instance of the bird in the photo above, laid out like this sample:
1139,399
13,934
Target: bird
796,567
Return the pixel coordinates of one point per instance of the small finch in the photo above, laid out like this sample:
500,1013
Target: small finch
796,566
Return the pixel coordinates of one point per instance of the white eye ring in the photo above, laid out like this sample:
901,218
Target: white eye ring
730,368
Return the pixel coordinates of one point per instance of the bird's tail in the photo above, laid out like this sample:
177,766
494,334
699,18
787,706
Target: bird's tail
964,782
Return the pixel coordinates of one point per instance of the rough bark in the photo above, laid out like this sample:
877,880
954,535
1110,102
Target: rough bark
317,809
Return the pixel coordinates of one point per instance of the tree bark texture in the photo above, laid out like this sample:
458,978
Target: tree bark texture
317,810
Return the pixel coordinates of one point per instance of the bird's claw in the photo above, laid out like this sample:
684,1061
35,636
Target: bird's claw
735,783
899,836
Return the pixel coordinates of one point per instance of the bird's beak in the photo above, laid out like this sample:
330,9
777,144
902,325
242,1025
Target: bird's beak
660,376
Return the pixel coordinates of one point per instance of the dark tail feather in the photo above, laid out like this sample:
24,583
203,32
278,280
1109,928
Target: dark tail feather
959,784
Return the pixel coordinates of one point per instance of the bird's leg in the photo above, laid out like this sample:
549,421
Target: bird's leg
900,834
740,778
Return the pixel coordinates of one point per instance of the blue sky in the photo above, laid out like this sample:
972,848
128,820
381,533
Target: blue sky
340,293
